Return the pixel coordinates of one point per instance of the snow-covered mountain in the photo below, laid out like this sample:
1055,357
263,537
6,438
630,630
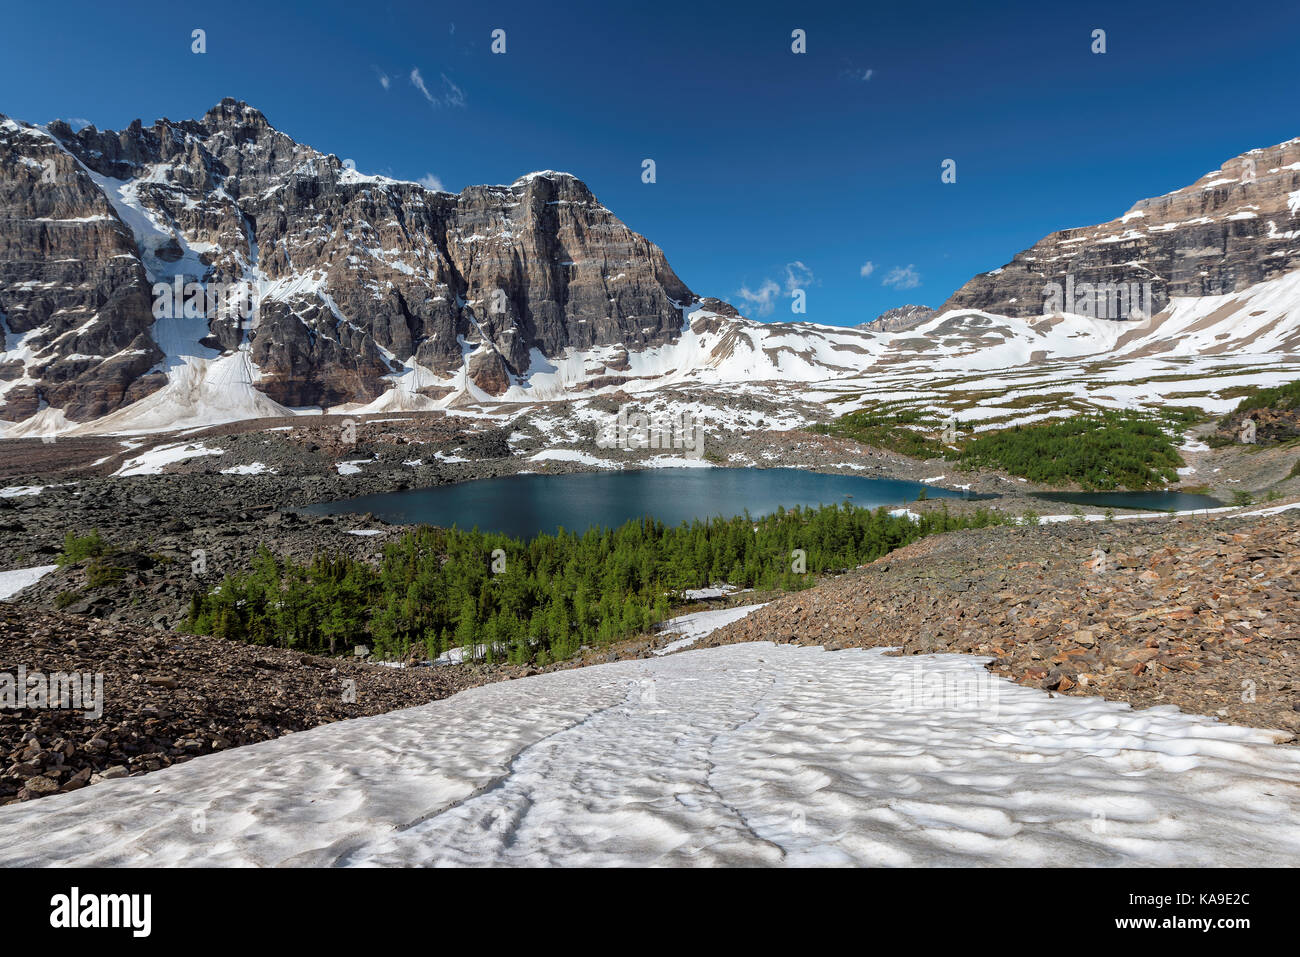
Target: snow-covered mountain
330,290
1236,227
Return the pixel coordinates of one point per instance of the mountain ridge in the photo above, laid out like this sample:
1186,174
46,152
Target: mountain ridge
368,294
1232,228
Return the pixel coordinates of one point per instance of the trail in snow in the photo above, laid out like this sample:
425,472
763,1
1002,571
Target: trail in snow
745,754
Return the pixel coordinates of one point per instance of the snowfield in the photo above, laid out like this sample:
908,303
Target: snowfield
15,580
696,625
744,754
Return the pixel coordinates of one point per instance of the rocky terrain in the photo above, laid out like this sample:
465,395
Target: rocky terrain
1233,228
1197,612
171,697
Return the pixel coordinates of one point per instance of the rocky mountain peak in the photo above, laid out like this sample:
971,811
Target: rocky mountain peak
236,116
363,284
1233,228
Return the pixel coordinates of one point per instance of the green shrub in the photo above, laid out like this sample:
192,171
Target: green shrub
100,573
77,548
1281,397
906,431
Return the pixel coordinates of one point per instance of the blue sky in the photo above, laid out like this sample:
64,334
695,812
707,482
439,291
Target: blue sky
769,164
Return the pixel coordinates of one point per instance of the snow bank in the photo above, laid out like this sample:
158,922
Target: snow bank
14,581
152,462
695,626
745,754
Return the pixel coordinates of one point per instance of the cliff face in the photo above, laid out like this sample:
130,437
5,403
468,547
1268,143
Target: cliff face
351,277
74,297
1234,227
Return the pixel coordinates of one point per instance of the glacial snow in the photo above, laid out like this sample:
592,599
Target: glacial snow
744,754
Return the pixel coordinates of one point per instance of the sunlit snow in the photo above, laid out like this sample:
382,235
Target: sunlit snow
744,754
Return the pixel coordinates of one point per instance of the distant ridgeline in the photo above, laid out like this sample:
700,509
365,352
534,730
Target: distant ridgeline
540,600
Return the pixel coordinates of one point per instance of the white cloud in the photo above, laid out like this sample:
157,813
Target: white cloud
901,277
429,181
384,79
763,300
452,95
867,269
867,74
798,276
417,81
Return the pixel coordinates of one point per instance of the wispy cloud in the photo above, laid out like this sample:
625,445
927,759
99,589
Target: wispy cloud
417,81
429,181
761,301
867,269
798,276
451,95
902,277
860,74
384,79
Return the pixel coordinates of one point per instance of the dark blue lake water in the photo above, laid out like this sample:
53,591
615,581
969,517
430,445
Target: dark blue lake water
526,505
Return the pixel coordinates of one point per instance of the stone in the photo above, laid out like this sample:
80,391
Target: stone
40,785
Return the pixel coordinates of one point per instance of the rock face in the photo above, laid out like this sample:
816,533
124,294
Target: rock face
1234,227
898,319
351,277
74,296
1272,426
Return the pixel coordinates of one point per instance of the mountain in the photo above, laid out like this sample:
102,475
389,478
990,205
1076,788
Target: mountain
898,319
357,281
330,290
1234,228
